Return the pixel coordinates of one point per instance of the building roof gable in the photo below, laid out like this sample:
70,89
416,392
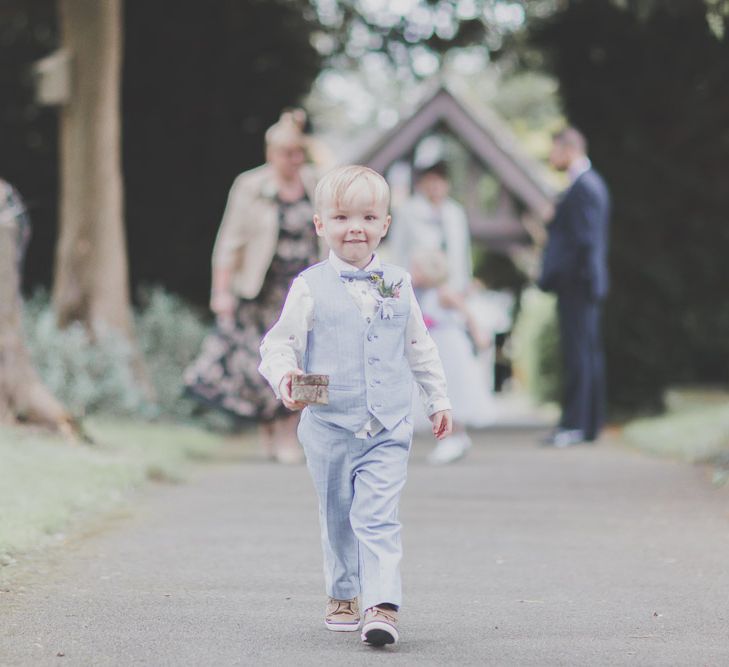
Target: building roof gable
486,137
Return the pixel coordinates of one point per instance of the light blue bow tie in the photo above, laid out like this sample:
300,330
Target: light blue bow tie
360,274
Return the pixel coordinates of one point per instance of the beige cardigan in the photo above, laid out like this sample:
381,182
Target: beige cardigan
248,235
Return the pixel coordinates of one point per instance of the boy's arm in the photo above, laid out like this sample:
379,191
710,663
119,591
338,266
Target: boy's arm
283,347
424,360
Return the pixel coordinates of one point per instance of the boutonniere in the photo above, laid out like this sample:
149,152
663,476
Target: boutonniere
391,291
388,293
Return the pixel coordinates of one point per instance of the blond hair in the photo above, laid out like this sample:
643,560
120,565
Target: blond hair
285,132
336,185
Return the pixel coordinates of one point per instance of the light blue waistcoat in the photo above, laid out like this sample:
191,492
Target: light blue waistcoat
368,372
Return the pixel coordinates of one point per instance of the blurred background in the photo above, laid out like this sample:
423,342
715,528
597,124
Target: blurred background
646,80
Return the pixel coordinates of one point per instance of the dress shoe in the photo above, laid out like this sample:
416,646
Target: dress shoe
450,449
564,437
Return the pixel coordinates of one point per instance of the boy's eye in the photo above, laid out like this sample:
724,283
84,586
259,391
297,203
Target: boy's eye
339,216
370,217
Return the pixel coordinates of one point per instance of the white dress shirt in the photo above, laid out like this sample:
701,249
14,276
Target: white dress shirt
419,225
283,347
578,167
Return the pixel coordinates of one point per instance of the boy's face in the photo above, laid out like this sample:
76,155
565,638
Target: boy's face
353,228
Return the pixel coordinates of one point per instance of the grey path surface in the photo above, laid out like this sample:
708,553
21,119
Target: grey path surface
515,556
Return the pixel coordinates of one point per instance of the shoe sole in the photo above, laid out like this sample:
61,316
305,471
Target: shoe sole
342,627
379,634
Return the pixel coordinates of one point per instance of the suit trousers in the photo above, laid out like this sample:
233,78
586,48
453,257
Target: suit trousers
583,400
358,482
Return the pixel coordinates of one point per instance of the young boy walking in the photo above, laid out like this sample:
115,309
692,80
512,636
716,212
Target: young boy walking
357,321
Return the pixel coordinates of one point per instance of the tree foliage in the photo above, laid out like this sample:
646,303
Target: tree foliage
201,87
404,30
201,84
651,92
28,133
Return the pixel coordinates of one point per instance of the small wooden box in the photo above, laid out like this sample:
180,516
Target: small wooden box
310,388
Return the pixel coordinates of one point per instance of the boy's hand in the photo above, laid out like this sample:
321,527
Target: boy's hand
285,390
442,424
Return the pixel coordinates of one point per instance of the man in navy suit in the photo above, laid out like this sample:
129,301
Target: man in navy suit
575,268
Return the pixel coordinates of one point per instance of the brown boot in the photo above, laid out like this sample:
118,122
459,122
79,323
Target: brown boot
380,627
342,615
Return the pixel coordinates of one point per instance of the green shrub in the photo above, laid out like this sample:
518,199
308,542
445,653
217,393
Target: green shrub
170,333
536,346
87,378
97,379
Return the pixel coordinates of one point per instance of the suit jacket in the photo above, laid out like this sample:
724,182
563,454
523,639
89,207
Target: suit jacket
248,234
575,259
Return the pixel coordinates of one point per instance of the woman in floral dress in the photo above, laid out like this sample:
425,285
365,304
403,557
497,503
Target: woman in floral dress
265,240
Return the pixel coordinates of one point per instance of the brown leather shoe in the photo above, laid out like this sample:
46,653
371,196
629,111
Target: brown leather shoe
380,627
342,615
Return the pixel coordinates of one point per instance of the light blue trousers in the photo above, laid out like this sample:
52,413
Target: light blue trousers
358,482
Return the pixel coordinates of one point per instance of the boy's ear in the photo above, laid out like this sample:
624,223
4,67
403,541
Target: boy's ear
388,222
318,225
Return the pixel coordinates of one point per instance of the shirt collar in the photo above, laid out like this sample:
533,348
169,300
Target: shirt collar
340,265
579,167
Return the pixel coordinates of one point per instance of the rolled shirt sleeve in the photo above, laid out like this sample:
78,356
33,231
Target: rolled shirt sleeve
424,359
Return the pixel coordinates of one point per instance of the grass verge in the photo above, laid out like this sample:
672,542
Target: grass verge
695,428
47,484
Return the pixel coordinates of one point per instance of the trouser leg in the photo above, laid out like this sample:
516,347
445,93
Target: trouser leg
583,390
597,357
328,456
380,472
576,363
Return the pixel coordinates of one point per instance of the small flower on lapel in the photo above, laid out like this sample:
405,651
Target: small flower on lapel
388,294
391,291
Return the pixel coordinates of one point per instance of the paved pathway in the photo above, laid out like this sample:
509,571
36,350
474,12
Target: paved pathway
515,556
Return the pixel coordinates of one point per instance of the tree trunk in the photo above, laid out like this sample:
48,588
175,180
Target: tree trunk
91,282
22,394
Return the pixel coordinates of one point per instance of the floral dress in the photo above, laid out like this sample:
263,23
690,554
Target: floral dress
225,375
